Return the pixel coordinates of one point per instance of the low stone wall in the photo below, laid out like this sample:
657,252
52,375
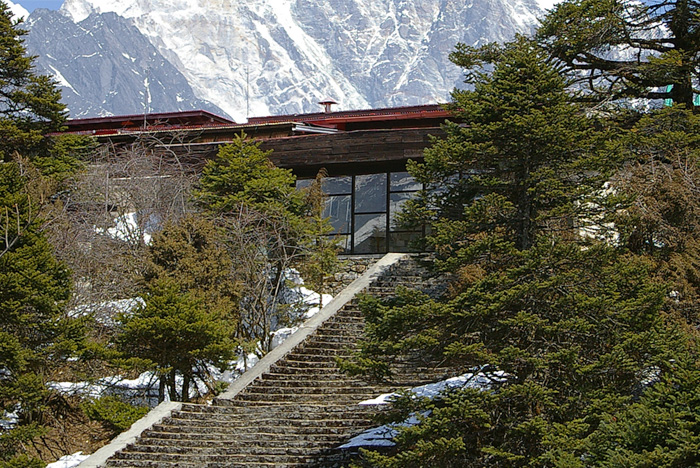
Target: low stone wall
353,266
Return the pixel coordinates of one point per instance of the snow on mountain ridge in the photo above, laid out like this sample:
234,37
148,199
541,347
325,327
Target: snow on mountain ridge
18,11
104,66
282,56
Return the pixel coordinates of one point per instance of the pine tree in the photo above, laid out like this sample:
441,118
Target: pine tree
573,325
187,324
661,429
30,104
322,249
242,174
575,332
271,226
659,210
626,48
519,167
35,332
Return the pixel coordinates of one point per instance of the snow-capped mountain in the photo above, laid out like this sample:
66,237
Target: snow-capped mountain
260,57
104,66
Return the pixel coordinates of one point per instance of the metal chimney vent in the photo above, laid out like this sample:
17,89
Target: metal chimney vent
327,106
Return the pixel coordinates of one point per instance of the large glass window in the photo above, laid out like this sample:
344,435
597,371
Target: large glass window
403,187
397,203
404,241
337,185
404,182
363,211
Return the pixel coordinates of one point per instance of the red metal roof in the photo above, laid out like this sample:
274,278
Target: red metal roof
161,119
433,111
342,120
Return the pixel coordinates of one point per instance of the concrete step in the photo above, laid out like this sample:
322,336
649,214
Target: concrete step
264,449
274,391
200,459
217,432
303,383
315,364
292,416
266,421
293,398
197,439
322,372
303,409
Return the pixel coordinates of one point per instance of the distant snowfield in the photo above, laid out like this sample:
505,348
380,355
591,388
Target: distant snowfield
263,57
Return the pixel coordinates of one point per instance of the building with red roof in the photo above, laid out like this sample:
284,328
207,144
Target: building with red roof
364,153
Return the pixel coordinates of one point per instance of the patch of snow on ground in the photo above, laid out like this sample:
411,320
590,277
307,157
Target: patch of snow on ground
243,364
126,228
282,334
111,385
120,306
69,461
477,379
382,436
306,300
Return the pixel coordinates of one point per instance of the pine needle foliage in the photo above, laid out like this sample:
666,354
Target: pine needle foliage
272,227
659,208
187,324
573,325
626,48
35,332
30,103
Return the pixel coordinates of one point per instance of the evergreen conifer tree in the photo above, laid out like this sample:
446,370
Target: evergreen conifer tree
518,167
30,104
273,227
242,174
659,211
628,48
571,324
35,332
189,318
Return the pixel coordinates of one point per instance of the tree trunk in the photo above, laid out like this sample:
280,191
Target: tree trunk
161,389
681,28
186,387
173,389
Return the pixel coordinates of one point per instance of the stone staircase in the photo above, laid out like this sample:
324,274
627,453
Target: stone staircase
293,413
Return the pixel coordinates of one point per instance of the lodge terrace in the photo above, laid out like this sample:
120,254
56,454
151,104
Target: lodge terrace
364,153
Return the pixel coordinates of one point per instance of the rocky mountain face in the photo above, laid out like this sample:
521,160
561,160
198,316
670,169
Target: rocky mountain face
104,65
262,57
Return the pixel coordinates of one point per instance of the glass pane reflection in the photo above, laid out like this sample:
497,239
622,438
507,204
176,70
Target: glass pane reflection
370,233
343,241
337,185
337,208
398,200
303,183
403,182
403,241
370,193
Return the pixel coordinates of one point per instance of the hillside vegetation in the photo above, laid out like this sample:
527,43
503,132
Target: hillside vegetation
564,220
